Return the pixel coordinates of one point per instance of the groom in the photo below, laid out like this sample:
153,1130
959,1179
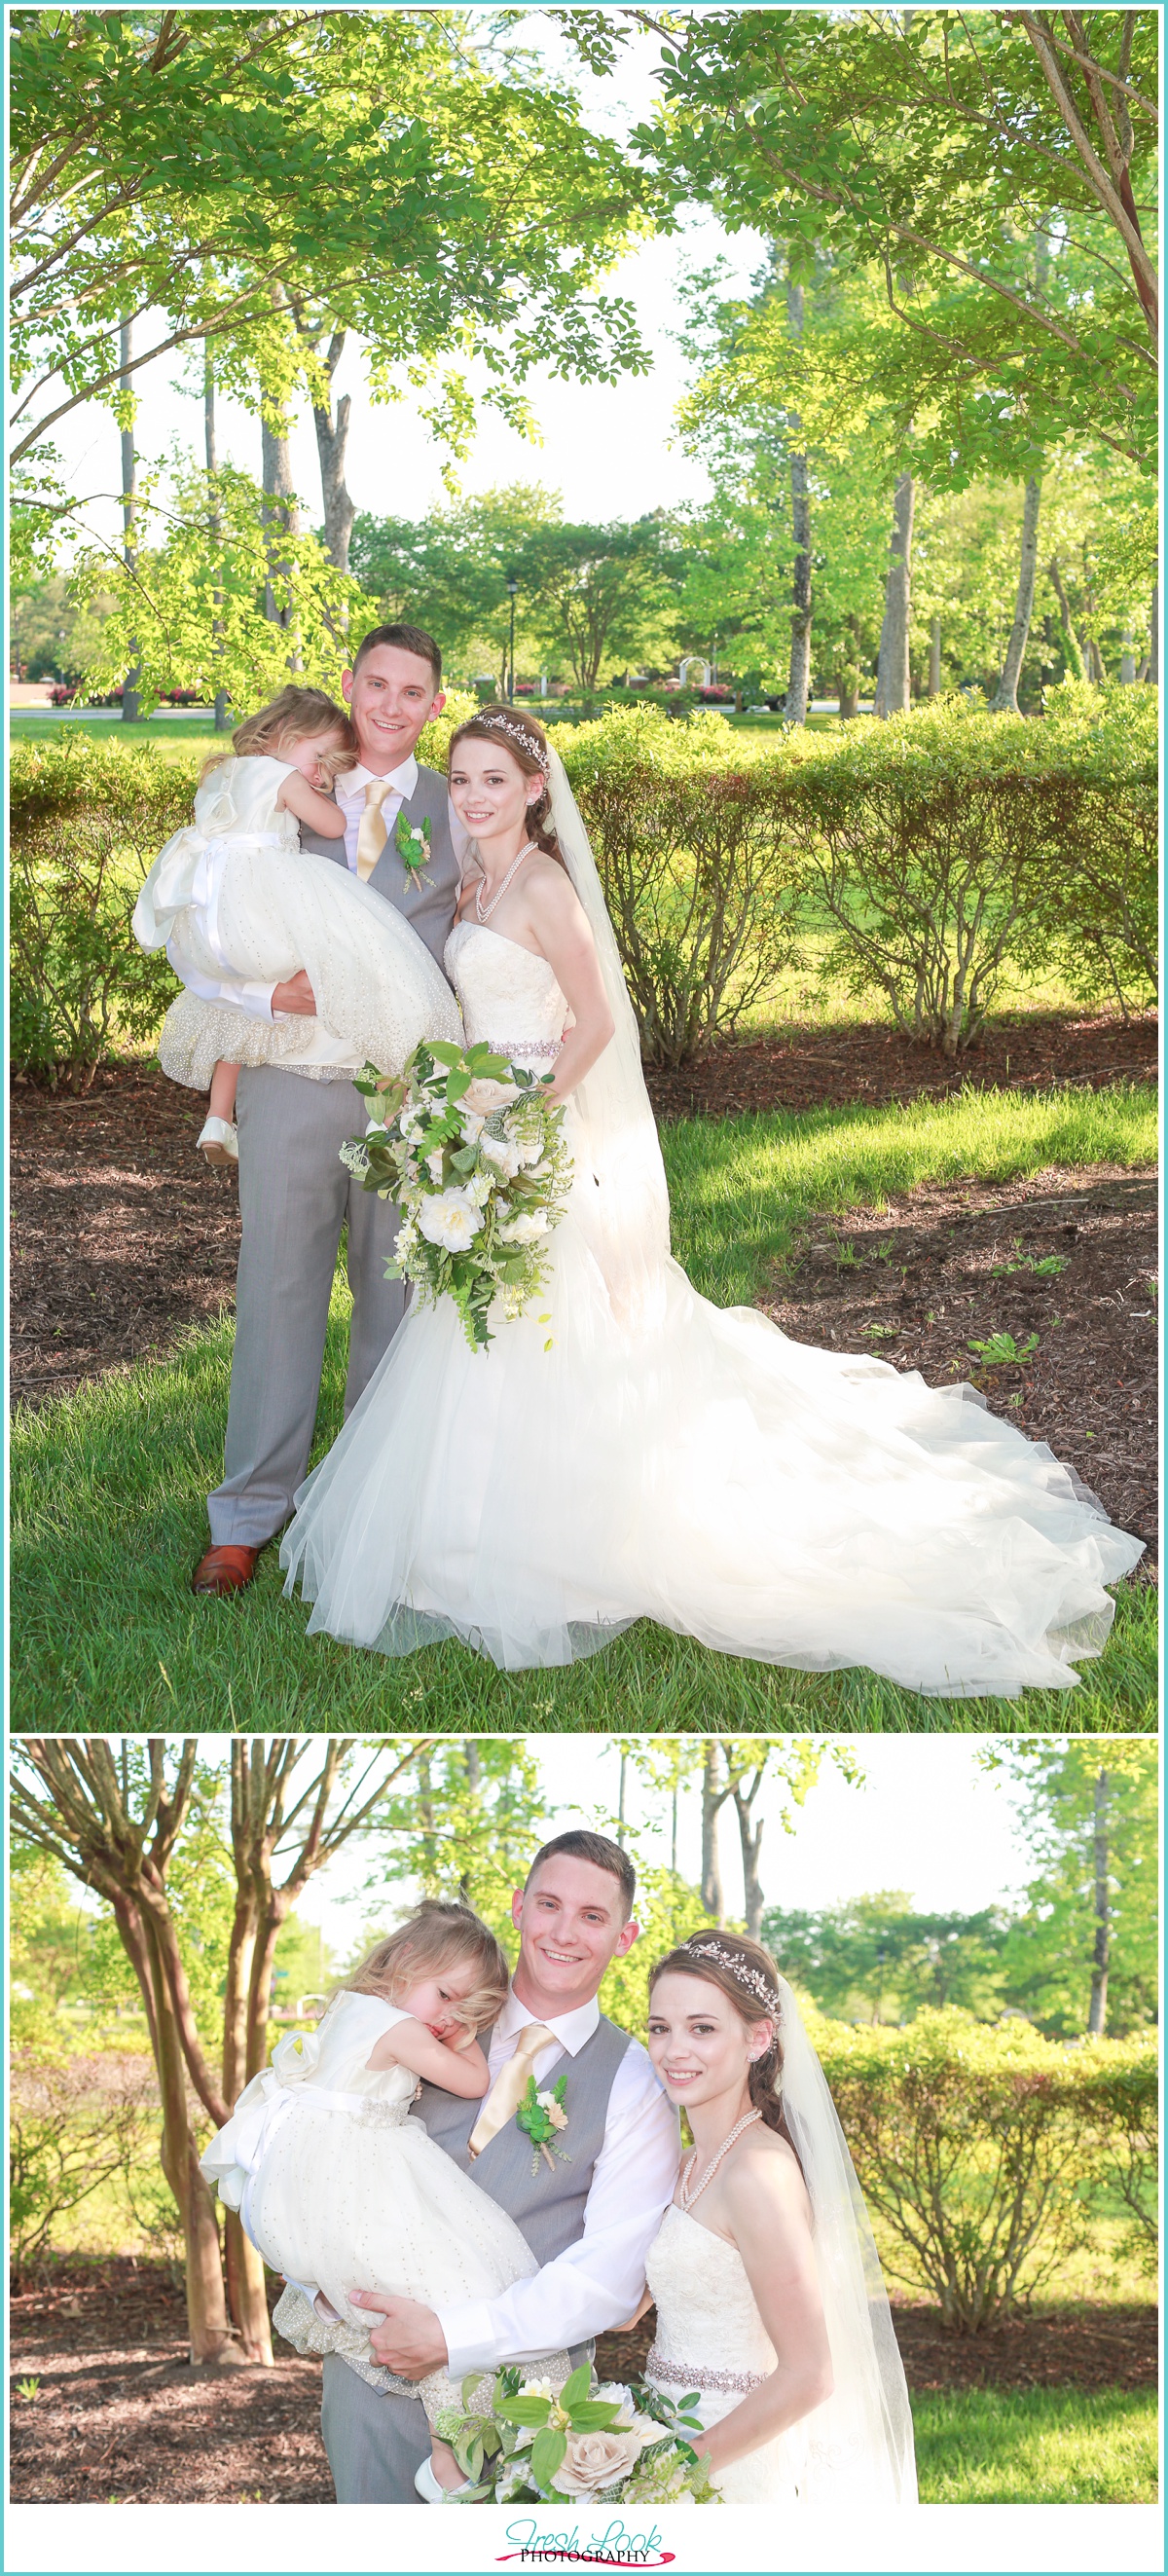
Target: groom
589,2221
295,1194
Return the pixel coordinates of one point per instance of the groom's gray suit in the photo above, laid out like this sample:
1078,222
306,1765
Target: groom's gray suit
295,1195
375,2441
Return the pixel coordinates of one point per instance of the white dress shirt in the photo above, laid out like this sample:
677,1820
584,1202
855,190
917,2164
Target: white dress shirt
597,2281
256,999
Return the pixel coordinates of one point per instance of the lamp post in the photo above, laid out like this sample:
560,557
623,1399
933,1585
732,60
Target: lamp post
512,587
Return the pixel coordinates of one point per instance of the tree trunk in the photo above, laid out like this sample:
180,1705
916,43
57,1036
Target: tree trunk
210,2334
1127,659
1005,698
1072,649
935,658
714,1793
799,670
331,440
1097,2017
892,679
131,702
212,450
280,518
247,2295
1154,641
751,1842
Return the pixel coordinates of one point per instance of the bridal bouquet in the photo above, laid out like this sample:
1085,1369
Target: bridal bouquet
471,1149
523,2442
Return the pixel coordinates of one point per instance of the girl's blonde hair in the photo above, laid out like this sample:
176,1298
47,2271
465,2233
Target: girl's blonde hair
438,1937
295,716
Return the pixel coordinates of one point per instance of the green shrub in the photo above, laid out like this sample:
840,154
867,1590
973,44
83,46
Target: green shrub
86,823
982,2149
949,843
74,2125
701,886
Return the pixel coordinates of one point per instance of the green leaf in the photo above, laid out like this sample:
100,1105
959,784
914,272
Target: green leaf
547,2451
577,2388
525,2410
594,2416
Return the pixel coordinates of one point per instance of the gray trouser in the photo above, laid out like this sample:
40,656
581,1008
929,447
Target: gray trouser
295,1194
374,2442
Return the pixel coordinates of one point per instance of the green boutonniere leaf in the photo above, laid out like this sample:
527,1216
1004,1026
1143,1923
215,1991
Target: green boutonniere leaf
412,842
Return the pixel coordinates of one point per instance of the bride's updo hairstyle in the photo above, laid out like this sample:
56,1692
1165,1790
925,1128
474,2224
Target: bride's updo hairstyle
437,1938
517,732
746,1974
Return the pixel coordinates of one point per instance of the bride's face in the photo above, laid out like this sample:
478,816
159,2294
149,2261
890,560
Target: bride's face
489,791
699,2044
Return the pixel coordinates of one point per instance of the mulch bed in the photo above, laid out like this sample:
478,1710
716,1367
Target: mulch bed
916,1284
813,1067
122,1236
119,2414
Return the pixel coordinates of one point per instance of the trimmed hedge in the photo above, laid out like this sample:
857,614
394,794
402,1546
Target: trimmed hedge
987,2151
942,847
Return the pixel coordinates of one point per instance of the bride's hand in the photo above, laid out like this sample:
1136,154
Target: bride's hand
643,2305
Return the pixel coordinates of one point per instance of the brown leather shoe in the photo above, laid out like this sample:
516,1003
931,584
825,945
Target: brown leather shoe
225,1569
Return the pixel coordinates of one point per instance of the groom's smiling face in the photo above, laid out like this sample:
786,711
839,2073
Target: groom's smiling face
571,1922
390,697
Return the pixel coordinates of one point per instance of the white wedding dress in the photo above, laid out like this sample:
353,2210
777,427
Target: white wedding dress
711,2340
234,895
673,1460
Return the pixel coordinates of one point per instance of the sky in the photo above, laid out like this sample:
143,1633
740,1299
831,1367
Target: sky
927,1818
610,451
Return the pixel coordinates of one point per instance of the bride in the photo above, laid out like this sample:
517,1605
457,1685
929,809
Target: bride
645,1454
770,2303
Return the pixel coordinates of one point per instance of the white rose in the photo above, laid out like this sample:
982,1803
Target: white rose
595,2460
501,1154
434,1166
450,1220
527,1227
471,1124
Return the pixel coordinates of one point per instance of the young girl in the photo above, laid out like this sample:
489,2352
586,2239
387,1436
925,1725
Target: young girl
236,899
337,2187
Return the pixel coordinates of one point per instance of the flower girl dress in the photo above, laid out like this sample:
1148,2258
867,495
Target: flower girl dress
340,2190
234,895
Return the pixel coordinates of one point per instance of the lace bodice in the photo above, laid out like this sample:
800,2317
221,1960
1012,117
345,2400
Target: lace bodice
707,2321
508,996
238,800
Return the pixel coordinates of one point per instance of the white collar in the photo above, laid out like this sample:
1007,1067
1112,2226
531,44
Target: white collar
403,779
572,2029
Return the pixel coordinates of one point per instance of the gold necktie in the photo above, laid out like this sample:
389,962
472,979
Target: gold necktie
510,2085
371,832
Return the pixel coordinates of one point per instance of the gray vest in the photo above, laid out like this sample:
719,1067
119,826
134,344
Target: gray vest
428,901
547,2207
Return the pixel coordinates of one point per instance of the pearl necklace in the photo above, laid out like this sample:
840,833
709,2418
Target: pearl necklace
688,2197
496,899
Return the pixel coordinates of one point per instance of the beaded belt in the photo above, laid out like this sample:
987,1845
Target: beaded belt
525,1046
738,2382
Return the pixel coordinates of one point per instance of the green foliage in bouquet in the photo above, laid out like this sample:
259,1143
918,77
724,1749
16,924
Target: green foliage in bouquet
529,2443
481,1183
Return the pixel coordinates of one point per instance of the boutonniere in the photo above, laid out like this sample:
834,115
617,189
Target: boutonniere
541,2116
412,843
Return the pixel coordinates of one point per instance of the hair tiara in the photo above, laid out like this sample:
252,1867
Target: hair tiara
742,1974
518,733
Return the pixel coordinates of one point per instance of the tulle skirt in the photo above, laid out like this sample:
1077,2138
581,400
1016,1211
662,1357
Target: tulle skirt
795,1505
377,988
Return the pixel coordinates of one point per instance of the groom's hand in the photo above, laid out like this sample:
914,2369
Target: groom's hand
296,996
411,2341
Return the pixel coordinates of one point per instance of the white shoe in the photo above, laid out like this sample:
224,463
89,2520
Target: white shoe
219,1141
430,2489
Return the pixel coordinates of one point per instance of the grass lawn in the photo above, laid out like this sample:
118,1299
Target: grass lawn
1036,2446
109,1487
